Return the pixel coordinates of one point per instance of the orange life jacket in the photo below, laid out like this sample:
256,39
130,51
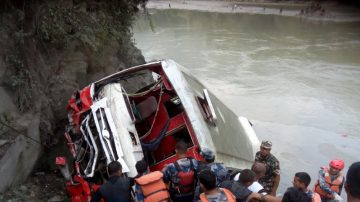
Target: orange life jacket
153,187
230,196
333,185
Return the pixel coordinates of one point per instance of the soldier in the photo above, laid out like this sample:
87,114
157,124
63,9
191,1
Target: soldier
271,179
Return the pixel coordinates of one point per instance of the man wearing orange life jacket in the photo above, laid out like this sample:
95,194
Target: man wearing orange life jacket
149,187
211,193
331,181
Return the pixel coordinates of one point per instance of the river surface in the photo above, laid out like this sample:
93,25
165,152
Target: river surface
297,80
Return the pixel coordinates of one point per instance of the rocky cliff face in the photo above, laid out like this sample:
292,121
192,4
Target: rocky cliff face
48,50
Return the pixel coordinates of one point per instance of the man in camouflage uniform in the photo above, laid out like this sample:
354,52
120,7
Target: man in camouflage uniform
208,163
171,173
219,169
272,176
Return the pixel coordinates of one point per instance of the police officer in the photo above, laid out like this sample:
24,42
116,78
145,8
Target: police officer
271,179
219,169
180,175
208,163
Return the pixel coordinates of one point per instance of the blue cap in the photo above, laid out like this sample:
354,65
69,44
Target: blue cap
207,154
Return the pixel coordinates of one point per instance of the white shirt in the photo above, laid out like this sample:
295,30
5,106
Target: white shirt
254,187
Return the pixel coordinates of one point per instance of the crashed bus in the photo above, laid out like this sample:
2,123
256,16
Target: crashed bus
108,122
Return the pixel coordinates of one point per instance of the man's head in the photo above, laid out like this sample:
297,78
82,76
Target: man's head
265,148
208,155
207,180
181,148
247,177
352,185
336,166
301,180
114,168
259,169
141,167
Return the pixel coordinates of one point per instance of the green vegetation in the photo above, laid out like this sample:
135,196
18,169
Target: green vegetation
43,25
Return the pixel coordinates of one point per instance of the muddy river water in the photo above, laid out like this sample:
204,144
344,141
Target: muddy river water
298,81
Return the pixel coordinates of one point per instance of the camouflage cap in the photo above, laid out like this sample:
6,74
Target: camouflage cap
207,153
266,144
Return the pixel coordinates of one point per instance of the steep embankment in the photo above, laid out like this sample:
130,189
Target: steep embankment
48,50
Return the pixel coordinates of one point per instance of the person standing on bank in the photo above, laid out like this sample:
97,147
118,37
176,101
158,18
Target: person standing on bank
181,175
270,181
117,189
330,181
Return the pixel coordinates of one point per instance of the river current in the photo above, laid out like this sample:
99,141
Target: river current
297,80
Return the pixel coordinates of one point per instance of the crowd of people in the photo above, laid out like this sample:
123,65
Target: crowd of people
208,181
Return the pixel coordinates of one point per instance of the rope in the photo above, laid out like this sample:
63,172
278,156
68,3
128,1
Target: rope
157,110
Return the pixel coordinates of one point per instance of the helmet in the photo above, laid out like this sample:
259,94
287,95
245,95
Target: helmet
337,163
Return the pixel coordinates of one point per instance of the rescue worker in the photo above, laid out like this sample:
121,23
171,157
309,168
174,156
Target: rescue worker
259,169
242,193
141,168
211,193
270,181
239,188
220,171
180,175
301,182
352,184
149,186
117,189
331,181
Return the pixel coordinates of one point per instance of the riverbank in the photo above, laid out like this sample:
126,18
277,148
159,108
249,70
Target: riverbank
326,11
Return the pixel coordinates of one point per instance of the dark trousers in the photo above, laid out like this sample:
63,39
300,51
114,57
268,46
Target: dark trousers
182,197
